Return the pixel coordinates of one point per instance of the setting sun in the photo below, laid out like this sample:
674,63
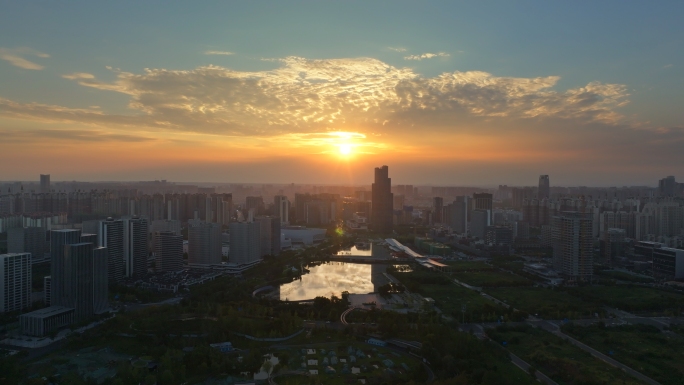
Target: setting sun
345,149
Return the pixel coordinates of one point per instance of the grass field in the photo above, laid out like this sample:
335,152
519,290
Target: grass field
622,276
641,347
492,279
459,266
450,298
633,298
549,304
563,362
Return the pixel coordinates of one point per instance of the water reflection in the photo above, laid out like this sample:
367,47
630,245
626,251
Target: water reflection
333,278
360,250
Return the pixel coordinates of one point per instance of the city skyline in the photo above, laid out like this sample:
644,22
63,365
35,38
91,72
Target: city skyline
247,93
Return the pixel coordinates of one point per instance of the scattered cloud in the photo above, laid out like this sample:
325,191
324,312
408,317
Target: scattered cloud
78,75
69,135
426,56
667,66
397,49
312,96
15,56
218,53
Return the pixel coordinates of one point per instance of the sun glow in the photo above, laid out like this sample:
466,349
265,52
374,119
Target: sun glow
346,149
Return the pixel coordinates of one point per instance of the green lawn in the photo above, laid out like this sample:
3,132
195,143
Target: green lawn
622,276
633,298
548,304
492,279
450,299
641,347
563,362
459,266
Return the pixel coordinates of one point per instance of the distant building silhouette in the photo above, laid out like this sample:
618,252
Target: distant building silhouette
668,187
544,191
168,251
204,243
484,201
437,207
28,240
281,207
45,183
245,242
382,201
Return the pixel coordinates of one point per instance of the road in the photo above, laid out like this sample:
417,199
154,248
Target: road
543,378
478,331
555,329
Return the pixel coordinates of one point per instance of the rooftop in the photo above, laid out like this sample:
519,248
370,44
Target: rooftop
48,311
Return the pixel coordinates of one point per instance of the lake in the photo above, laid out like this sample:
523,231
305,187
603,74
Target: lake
332,278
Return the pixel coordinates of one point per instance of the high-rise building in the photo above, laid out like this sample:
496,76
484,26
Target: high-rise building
479,222
15,281
47,289
28,240
44,183
171,225
256,204
245,242
573,245
79,273
668,187
484,201
612,245
135,247
265,234
168,251
544,191
269,234
281,207
58,240
111,236
77,286
100,280
204,243
301,201
275,237
382,206
455,214
499,236
437,205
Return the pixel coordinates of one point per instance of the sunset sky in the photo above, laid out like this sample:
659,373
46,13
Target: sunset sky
445,93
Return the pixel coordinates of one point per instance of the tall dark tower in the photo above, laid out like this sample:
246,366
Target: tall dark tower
544,191
382,205
437,206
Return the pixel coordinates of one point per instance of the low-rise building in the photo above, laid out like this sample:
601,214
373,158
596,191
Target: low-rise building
41,322
668,263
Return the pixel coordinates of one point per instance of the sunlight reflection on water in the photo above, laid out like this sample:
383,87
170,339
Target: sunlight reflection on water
332,279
